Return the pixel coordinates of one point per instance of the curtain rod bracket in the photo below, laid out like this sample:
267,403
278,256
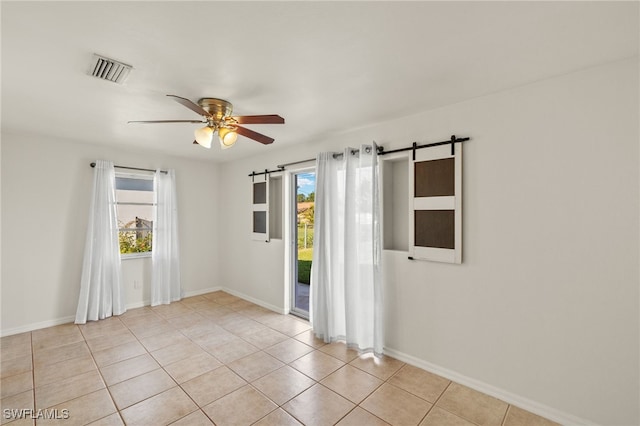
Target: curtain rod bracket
415,146
453,144
93,165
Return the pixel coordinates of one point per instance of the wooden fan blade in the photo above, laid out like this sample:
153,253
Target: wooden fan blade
258,119
191,105
167,121
254,135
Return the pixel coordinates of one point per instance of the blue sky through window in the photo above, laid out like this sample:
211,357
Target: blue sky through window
306,183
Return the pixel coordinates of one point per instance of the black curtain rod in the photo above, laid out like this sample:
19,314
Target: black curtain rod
415,145
452,141
132,168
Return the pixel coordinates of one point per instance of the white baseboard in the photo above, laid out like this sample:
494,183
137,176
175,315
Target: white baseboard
68,319
201,291
508,397
37,326
137,305
256,301
184,295
211,290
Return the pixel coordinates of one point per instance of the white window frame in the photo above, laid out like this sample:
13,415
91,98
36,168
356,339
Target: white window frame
136,175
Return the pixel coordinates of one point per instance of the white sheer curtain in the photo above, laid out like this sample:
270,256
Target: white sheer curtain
165,275
346,284
101,282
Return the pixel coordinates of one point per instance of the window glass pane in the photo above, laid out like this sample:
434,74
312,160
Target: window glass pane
260,193
136,217
128,213
129,196
435,228
260,222
134,184
135,241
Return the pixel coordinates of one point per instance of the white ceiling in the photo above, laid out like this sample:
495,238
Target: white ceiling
324,66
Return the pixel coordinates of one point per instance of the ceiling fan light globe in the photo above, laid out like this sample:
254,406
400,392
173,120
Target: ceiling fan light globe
204,136
227,137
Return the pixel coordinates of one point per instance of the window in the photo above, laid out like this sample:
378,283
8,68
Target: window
135,207
260,209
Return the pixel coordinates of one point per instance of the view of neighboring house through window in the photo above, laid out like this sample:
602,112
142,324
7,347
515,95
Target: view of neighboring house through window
134,199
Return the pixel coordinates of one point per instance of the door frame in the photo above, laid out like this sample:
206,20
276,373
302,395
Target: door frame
291,246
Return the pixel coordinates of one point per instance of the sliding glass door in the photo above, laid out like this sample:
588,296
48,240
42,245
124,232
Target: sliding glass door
303,208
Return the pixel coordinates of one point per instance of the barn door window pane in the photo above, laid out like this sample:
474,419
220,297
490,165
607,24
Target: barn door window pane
260,208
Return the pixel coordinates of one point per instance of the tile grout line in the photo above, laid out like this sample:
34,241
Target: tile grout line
222,364
454,414
506,413
33,371
436,401
370,393
262,350
348,412
162,367
80,396
49,366
91,353
102,377
241,316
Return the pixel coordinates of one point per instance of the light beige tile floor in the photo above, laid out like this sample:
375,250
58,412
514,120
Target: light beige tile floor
218,359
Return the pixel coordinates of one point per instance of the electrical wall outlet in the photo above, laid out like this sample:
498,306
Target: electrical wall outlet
136,284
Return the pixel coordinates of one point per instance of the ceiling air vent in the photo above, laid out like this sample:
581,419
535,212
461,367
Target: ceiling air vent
108,69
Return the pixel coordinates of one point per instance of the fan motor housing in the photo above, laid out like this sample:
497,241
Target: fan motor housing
218,108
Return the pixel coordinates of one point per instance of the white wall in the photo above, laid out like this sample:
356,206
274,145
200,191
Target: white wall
46,190
545,307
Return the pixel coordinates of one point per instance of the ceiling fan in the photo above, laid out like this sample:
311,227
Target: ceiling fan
217,116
